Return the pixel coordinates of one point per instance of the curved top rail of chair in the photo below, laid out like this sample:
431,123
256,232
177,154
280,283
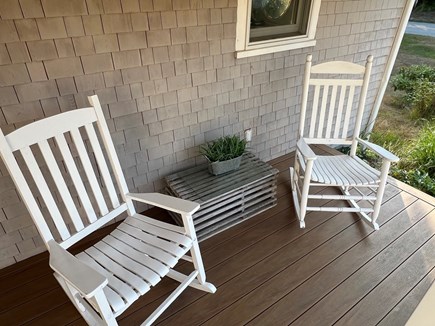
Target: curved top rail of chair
50,127
338,67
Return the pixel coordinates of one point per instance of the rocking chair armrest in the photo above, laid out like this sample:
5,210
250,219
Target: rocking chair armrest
306,151
379,150
167,202
81,276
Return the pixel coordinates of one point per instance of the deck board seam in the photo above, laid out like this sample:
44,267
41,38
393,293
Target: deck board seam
406,295
354,272
292,263
391,272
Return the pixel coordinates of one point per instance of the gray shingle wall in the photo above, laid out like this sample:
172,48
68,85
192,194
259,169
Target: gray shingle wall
167,78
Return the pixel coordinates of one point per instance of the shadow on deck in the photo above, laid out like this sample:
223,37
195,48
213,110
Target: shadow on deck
270,272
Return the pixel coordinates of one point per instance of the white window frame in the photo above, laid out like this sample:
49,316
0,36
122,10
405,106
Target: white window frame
244,48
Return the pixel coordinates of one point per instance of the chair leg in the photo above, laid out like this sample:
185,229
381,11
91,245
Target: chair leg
294,186
304,193
380,193
294,180
196,255
197,261
104,309
198,283
199,266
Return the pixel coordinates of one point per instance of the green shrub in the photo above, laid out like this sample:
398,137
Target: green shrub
423,102
425,5
405,79
224,148
416,178
423,150
416,86
417,156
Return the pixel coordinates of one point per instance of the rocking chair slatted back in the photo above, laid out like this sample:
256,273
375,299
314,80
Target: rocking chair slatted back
333,101
61,136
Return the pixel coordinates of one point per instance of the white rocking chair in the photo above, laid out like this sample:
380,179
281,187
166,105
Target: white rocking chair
105,279
331,104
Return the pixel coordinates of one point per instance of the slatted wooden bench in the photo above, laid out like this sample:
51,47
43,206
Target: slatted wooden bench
226,199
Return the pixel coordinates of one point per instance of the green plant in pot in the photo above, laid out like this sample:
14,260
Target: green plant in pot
224,154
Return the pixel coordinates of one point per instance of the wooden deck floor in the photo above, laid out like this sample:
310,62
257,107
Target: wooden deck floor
270,272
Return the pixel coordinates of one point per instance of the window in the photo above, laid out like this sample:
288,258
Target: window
266,26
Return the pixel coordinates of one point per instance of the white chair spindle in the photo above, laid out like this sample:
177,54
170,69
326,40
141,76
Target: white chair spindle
89,171
76,178
60,184
40,182
323,110
314,111
349,108
111,152
331,111
343,90
104,170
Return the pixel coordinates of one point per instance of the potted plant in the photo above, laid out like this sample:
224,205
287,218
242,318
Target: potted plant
224,154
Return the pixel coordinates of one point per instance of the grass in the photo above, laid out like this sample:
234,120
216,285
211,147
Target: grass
419,46
396,121
392,118
415,50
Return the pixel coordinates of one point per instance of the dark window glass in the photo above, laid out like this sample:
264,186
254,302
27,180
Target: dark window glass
272,19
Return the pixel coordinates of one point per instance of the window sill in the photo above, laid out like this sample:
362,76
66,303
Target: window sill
277,46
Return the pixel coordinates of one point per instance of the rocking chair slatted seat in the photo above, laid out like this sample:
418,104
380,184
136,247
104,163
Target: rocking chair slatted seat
331,104
70,193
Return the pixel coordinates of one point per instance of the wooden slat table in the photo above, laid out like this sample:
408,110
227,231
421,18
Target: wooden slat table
226,199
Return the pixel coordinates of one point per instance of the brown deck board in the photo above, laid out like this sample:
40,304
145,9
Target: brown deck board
319,284
280,250
31,309
280,285
269,271
407,304
22,294
395,286
366,278
63,313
